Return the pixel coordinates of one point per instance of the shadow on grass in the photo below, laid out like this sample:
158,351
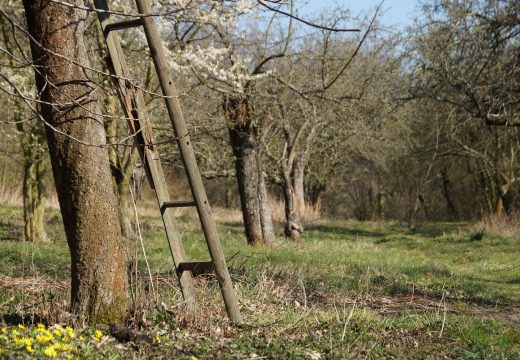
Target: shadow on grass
10,231
338,230
436,229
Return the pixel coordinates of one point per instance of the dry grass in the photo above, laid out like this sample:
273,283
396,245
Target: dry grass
34,299
35,284
505,225
308,215
230,215
11,195
14,196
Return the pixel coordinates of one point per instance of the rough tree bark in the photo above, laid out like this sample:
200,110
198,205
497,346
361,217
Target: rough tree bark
251,184
81,172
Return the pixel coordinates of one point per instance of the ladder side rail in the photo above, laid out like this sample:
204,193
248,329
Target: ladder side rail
151,155
188,156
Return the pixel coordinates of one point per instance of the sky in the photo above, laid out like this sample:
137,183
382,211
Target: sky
399,13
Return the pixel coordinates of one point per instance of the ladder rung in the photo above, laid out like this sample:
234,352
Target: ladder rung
176,204
196,267
123,25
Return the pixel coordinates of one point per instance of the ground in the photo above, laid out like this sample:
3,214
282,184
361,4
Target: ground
349,290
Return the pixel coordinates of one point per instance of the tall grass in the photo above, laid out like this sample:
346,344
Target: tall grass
308,215
11,195
505,225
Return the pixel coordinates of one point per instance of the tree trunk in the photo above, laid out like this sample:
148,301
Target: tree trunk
247,179
81,172
32,142
253,198
34,197
314,191
120,162
228,197
446,190
381,201
265,211
120,178
298,186
292,228
500,207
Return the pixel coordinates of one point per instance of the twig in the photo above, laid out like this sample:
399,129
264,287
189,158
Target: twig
347,321
443,301
306,22
304,295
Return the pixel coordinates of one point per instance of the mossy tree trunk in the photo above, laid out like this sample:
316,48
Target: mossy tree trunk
32,141
34,198
79,160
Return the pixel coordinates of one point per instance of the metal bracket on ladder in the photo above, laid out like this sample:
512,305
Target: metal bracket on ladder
135,110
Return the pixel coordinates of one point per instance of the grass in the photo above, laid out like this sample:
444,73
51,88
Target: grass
349,290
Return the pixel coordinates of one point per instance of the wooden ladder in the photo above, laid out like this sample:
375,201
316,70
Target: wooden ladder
132,101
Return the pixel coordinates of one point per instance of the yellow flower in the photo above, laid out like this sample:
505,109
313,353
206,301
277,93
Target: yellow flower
15,332
194,358
70,331
69,356
17,341
49,351
29,349
158,339
43,330
20,326
4,330
58,346
40,326
97,335
58,331
25,341
44,338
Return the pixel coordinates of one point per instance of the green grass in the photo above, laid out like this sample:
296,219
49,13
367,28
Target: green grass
350,289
